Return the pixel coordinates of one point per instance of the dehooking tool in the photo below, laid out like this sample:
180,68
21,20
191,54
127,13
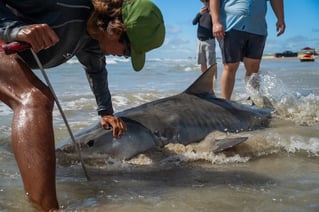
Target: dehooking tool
15,47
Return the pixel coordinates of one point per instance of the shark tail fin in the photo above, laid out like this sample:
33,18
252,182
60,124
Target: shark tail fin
204,83
227,143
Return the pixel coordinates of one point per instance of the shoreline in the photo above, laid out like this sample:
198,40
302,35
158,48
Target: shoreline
281,58
272,57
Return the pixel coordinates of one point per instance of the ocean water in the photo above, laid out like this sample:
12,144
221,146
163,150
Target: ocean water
276,169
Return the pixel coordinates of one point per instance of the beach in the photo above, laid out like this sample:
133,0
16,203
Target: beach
276,169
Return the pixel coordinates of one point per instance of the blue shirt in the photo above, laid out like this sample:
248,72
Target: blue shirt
244,15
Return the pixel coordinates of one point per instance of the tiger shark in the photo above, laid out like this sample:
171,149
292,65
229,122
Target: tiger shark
185,118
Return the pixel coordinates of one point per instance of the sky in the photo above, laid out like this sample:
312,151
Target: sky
301,18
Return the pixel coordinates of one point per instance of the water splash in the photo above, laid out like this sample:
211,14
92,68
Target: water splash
289,104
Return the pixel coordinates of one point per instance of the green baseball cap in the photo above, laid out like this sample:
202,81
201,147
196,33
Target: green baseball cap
144,27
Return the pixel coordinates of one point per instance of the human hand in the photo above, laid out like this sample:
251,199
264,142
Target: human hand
218,31
39,36
119,126
280,27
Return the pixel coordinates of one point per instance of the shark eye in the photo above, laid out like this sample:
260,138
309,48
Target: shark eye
90,143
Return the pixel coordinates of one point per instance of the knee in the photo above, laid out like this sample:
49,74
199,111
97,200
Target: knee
39,100
231,68
251,66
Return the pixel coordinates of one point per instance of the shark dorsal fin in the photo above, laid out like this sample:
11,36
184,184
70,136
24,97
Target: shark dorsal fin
204,83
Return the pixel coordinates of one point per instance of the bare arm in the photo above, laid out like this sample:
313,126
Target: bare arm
218,29
278,8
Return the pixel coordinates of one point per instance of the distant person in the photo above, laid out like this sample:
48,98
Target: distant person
241,28
206,53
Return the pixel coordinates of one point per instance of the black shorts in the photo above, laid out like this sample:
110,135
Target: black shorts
238,44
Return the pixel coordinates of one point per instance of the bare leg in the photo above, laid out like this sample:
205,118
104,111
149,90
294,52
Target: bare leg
251,65
215,78
228,79
32,130
203,67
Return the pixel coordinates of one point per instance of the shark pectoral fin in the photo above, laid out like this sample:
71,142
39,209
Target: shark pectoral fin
227,143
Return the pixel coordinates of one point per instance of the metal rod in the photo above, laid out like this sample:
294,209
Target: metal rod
61,111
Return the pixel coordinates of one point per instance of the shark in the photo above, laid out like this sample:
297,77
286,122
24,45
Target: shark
185,118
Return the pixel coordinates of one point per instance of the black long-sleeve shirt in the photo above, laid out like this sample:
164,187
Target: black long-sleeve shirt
68,19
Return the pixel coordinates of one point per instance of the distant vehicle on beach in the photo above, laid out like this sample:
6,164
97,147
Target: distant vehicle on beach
307,55
286,54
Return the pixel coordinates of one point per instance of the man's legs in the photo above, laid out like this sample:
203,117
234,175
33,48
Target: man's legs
228,79
32,129
231,48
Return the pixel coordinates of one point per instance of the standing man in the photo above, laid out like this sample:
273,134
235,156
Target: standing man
241,28
206,54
